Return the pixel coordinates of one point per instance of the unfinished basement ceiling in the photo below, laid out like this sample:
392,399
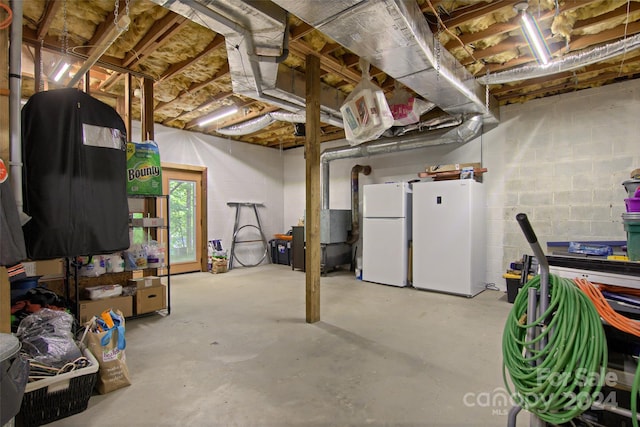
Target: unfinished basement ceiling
189,65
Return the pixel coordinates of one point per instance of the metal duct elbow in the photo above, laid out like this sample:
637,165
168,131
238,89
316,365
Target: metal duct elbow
564,63
469,129
245,128
355,201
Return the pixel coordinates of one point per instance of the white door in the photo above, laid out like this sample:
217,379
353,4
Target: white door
384,251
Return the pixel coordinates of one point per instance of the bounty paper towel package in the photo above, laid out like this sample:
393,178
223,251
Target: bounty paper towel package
144,174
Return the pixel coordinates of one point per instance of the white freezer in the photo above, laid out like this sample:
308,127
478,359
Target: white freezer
449,236
385,249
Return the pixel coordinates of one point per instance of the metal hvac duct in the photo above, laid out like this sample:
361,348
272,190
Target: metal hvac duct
564,63
394,36
247,127
256,37
254,125
466,131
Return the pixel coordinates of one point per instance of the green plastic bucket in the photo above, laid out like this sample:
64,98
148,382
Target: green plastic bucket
632,227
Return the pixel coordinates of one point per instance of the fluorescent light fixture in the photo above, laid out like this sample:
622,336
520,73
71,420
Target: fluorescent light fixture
219,114
533,35
63,68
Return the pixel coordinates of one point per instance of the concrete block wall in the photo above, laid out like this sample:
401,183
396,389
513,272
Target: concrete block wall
561,160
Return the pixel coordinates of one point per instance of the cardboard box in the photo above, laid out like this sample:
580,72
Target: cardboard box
144,282
147,222
151,299
452,167
88,309
49,267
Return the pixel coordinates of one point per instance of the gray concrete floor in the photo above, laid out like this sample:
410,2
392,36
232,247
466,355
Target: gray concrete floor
236,351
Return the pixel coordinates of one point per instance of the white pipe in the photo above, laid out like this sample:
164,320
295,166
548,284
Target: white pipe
118,28
15,91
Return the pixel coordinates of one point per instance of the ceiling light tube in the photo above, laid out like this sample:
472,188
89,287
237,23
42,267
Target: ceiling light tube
65,66
535,39
118,28
219,114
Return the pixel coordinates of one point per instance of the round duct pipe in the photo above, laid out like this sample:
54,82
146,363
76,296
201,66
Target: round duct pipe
462,133
355,201
564,63
247,127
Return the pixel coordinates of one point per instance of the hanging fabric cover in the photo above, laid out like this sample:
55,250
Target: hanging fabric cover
74,176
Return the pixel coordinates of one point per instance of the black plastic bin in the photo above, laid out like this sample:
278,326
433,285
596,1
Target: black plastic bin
280,251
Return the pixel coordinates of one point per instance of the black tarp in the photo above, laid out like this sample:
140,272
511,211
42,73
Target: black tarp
74,154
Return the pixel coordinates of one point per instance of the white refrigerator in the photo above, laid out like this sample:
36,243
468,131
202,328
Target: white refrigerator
449,235
386,231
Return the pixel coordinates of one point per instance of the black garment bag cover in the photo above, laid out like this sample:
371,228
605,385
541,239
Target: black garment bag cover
74,154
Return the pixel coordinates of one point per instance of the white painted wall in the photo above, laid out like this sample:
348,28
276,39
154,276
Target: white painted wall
560,159
236,171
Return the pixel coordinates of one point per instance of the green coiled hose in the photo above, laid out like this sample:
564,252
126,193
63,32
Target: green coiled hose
561,380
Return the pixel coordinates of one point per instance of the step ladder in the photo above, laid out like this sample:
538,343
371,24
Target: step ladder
236,229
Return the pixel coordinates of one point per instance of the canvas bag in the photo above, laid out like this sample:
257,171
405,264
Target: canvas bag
108,347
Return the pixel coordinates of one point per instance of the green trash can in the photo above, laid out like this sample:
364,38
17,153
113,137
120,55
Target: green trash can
632,227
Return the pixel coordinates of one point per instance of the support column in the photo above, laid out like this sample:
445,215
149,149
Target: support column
5,287
123,105
147,110
312,171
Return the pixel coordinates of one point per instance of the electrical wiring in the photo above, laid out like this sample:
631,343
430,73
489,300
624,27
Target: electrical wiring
607,313
619,289
7,22
559,381
618,321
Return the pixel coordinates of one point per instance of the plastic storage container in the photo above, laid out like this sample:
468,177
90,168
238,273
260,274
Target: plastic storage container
280,251
632,227
633,204
631,185
13,378
51,399
20,287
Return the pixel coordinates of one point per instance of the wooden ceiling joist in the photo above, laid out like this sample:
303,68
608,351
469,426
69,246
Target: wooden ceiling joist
512,25
99,38
467,14
217,41
50,10
613,34
223,71
506,89
614,14
52,44
572,85
327,62
300,31
159,33
217,98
